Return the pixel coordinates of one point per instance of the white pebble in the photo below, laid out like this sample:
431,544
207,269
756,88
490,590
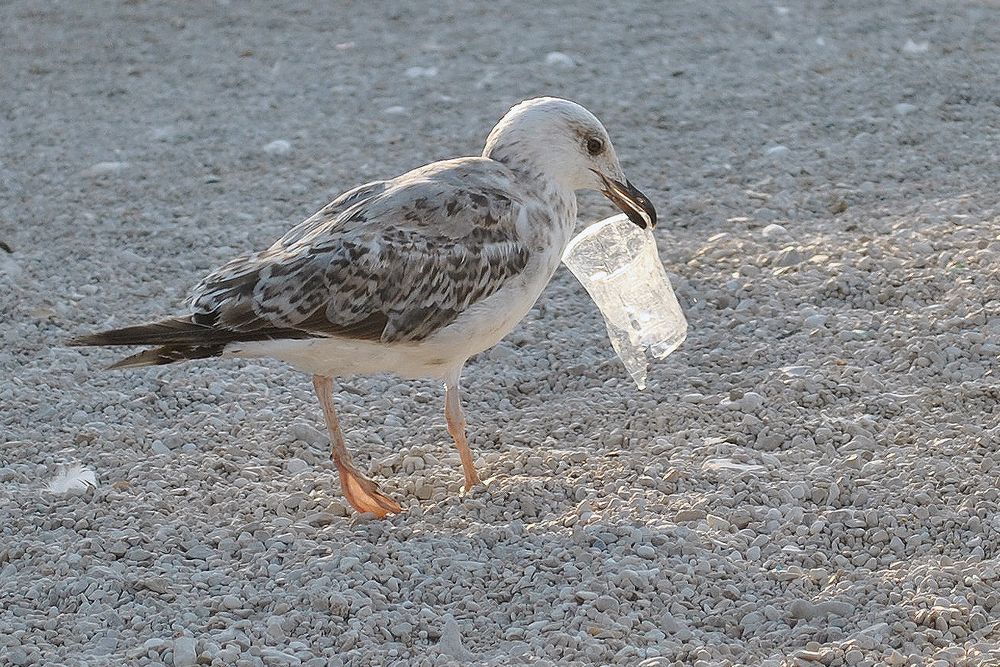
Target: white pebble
105,169
278,147
559,59
774,232
421,72
163,133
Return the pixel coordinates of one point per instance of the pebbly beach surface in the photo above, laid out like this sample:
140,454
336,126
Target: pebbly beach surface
812,478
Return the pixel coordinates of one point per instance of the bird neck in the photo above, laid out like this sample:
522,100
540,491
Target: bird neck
538,183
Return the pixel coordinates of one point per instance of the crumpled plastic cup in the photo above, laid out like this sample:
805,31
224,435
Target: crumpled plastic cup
618,264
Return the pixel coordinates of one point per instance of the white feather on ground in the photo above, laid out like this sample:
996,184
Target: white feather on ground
72,478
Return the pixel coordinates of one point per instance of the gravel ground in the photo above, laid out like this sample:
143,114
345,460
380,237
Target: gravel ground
811,479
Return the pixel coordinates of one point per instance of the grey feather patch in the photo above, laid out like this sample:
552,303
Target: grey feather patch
394,260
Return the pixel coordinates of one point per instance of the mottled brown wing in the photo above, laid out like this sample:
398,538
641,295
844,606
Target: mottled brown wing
393,261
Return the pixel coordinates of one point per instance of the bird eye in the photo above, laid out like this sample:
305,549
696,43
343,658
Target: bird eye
595,146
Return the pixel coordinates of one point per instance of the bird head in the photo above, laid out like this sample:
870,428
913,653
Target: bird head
558,139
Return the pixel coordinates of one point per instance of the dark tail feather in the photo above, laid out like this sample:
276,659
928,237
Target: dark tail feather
173,330
168,354
179,339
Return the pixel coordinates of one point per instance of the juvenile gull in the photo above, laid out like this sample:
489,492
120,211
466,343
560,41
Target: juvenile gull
411,276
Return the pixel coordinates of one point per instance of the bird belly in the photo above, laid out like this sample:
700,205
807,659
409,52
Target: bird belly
344,357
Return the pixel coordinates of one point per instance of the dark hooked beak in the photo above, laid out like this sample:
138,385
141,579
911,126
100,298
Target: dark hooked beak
632,203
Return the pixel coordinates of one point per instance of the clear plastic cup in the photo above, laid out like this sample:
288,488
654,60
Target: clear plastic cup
618,264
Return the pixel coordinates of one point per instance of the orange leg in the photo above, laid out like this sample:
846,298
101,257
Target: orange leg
363,494
456,426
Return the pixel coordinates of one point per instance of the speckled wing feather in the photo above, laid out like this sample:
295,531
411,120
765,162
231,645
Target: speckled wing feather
390,261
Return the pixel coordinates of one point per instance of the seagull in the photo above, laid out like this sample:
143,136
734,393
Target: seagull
412,275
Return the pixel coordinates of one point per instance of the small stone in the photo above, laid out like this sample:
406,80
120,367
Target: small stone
835,608
348,563
17,656
645,551
421,72
817,321
185,652
777,151
668,623
606,603
790,256
895,659
273,656
751,402
294,466
231,602
853,657
912,47
451,641
200,552
683,516
871,638
163,133
308,434
278,147
752,621
802,609
560,60
774,232
159,448
105,169
423,490
274,629
904,108
155,584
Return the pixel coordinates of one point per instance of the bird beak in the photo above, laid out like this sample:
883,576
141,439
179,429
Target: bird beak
632,203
